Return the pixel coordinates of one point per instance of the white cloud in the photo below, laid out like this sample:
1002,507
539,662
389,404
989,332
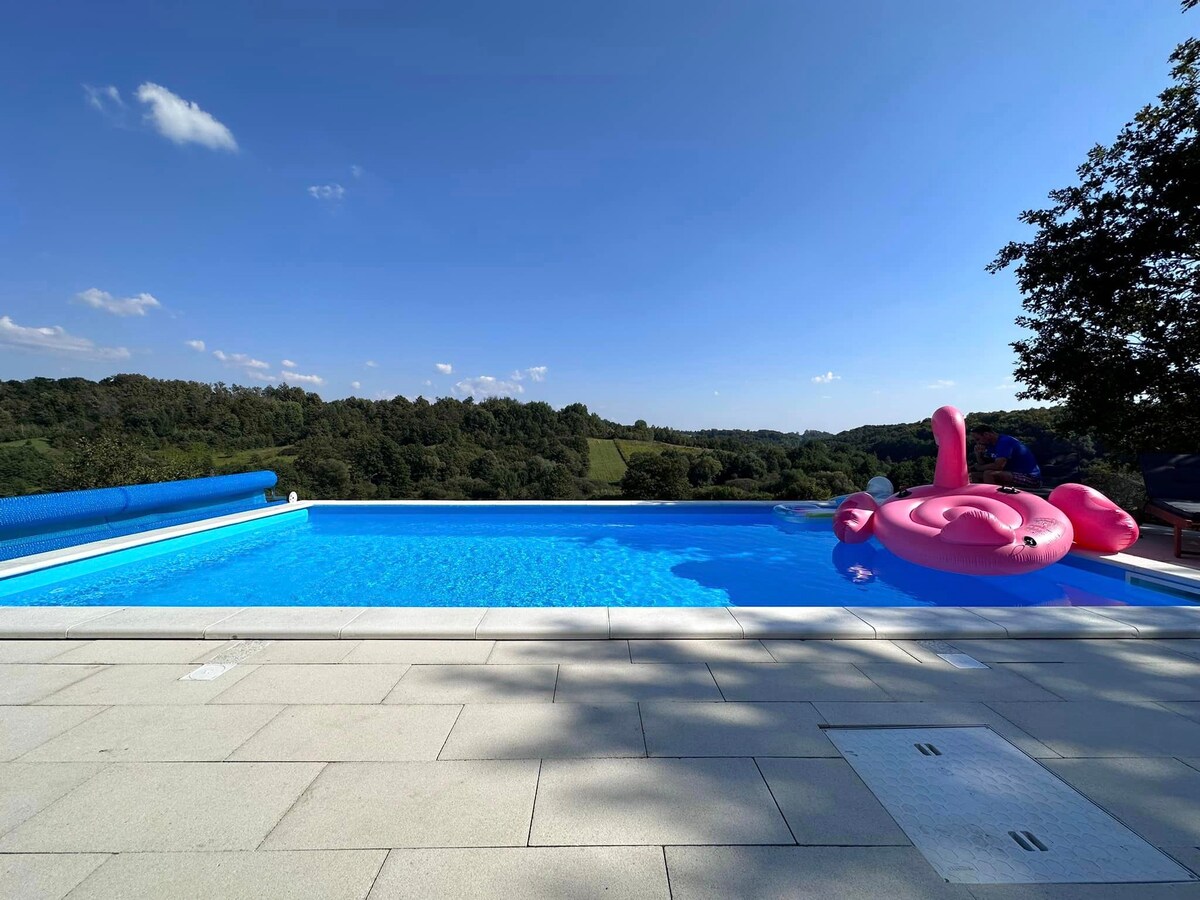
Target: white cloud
827,378
537,373
444,368
125,306
54,339
260,376
288,364
371,364
195,345
303,379
940,384
240,359
356,171
327,191
716,393
105,98
427,383
182,121
356,385
486,386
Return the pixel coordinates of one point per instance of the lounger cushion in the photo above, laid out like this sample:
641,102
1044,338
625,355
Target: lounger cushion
1172,477
1189,509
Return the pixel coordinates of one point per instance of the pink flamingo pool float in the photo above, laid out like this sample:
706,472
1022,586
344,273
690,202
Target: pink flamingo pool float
982,529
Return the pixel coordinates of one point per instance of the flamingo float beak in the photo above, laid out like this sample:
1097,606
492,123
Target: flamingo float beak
976,528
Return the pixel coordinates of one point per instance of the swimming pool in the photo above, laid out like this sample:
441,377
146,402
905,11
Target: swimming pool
541,555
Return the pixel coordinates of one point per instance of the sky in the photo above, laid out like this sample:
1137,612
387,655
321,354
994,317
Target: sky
762,214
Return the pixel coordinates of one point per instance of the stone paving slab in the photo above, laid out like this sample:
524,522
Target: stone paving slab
290,652
917,622
805,873
527,873
1124,682
28,683
47,621
153,622
1103,728
144,651
672,622
1054,621
1102,651
826,803
800,681
734,729
149,685
419,651
301,875
165,806
304,622
475,684
45,876
26,788
554,652
800,622
1188,647
24,727
156,734
412,804
931,713
654,801
545,731
622,682
351,733
1189,709
944,682
845,652
563,623
1157,621
694,651
1176,891
451,622
314,683
34,651
1158,798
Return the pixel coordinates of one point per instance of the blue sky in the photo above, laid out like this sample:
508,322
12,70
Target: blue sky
703,214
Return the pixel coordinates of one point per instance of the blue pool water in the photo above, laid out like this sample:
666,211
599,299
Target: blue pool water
542,556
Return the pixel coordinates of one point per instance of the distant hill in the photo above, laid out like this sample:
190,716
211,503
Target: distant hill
60,434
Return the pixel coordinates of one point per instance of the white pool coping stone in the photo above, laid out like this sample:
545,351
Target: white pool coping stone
580,623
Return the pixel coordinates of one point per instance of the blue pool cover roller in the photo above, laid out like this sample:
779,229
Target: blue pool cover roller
40,522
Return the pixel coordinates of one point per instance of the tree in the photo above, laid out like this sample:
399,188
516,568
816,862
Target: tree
656,476
1111,279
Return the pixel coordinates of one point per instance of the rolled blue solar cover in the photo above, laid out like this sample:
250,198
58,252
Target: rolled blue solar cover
41,522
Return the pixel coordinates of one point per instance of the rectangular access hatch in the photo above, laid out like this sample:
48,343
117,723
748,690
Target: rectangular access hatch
982,812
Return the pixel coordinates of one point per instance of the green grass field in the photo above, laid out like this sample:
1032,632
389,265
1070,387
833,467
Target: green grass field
628,448
604,461
38,444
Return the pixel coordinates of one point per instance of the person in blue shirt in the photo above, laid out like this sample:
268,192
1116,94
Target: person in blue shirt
1002,459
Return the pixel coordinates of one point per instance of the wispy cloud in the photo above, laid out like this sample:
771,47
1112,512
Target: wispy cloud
940,384
303,379
487,386
261,376
288,364
327,191
54,339
123,306
105,98
444,368
827,378
356,171
240,359
533,373
183,121
356,385
195,345
371,364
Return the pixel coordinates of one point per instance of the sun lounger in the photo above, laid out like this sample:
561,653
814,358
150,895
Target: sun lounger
1173,491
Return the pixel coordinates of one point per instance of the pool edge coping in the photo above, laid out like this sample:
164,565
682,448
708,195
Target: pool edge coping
577,623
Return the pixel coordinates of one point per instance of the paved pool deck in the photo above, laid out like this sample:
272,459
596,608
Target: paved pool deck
643,768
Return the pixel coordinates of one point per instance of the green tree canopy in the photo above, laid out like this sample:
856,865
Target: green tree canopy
1110,280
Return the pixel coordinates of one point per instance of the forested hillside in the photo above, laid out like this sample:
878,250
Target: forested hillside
73,433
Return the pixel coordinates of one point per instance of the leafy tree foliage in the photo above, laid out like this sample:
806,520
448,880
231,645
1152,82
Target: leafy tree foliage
1110,279
72,433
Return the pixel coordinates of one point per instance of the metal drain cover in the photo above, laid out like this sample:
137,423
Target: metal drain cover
982,812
